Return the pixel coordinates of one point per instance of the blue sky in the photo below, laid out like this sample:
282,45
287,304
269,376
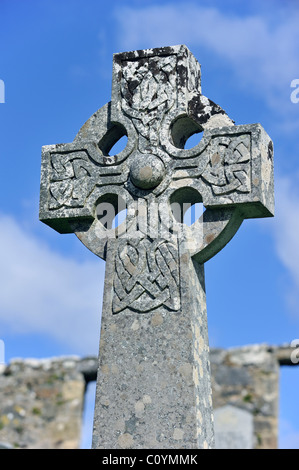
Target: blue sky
56,64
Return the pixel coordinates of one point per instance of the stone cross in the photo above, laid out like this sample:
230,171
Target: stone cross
153,382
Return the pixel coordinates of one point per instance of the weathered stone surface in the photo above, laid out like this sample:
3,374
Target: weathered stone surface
152,374
154,340
21,381
233,428
248,379
41,404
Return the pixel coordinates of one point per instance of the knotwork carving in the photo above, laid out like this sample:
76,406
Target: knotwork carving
148,92
70,180
74,175
146,275
229,167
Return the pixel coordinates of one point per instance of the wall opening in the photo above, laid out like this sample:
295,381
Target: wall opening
114,141
119,146
111,210
186,205
185,133
288,414
87,418
193,140
193,213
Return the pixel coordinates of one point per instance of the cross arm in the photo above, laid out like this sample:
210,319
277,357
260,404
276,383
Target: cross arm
240,170
231,167
70,175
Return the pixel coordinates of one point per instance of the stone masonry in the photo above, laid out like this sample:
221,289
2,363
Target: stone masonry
41,401
248,379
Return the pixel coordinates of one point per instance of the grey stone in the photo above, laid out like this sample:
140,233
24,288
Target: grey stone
233,428
23,414
41,404
154,340
228,375
146,171
5,445
247,378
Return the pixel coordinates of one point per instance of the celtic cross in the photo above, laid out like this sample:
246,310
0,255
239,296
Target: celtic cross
153,384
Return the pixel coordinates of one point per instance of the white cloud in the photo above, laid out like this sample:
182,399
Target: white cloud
287,224
262,49
286,230
45,292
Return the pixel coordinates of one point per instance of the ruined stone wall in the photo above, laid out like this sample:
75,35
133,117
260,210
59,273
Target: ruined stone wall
41,401
246,379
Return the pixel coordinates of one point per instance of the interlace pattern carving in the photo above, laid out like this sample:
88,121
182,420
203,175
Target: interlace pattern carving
70,180
229,167
148,92
146,275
